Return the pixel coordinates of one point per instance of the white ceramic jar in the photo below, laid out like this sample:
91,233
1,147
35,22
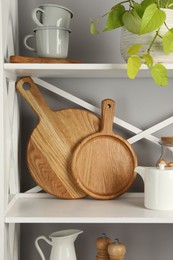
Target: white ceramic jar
158,187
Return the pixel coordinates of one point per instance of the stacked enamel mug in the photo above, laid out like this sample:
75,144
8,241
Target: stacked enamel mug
52,31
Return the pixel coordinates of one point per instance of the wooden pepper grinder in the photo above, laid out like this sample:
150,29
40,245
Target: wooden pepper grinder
102,246
116,250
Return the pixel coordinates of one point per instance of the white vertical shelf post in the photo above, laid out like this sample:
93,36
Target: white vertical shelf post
3,197
9,129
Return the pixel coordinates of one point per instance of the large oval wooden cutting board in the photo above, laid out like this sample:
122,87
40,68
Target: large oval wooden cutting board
50,147
103,163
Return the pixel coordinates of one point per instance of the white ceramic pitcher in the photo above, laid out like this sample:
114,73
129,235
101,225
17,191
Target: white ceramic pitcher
158,187
62,243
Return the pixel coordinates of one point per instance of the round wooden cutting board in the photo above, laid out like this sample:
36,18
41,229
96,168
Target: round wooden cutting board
103,163
50,147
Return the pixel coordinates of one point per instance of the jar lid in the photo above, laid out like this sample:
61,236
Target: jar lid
167,138
166,141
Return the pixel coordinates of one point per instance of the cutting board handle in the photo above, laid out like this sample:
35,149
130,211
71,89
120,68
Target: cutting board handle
108,109
29,90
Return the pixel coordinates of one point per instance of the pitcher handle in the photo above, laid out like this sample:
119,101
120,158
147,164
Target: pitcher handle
34,16
38,247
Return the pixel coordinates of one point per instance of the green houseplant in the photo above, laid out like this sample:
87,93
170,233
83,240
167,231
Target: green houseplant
147,17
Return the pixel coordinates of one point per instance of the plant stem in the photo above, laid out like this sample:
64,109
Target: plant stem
166,26
160,36
151,44
158,3
131,3
123,2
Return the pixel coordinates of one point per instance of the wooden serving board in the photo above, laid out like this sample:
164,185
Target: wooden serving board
103,163
23,59
50,147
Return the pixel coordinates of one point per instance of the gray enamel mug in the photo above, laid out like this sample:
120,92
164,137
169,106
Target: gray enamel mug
52,15
51,42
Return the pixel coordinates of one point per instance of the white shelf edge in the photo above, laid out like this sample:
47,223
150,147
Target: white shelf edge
82,70
44,208
79,70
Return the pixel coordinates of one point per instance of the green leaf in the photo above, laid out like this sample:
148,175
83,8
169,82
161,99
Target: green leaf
93,29
165,4
134,49
146,3
148,60
133,66
152,19
114,19
159,74
139,9
132,21
168,41
169,4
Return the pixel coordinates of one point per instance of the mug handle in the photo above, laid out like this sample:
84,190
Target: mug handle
25,42
38,247
34,15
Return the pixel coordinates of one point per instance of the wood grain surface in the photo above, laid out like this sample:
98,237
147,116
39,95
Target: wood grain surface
23,59
50,147
103,163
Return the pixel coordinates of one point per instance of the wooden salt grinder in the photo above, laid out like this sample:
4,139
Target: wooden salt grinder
116,250
102,246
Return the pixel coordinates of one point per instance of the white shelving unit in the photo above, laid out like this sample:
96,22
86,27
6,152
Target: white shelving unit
32,207
129,208
81,70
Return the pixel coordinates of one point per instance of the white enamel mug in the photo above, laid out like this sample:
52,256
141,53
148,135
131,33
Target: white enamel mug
51,42
52,15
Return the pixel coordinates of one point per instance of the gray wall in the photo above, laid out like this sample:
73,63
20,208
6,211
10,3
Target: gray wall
83,46
139,102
